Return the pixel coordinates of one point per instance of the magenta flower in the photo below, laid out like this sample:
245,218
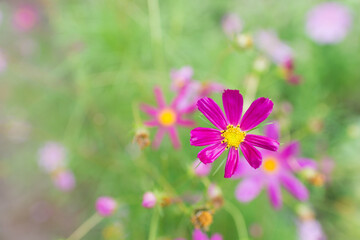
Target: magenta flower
310,230
167,118
149,200
25,18
106,206
231,24
328,23
276,170
201,169
199,235
64,180
180,78
52,156
232,130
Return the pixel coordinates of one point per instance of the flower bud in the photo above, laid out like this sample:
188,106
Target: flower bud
105,206
244,41
149,200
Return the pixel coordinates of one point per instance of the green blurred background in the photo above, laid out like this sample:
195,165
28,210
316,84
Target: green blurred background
77,78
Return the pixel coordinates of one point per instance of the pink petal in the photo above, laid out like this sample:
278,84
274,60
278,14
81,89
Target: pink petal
212,112
186,122
174,137
252,155
233,105
290,150
244,169
258,111
216,236
152,123
204,136
294,186
274,193
262,142
232,162
159,97
158,137
306,163
148,109
198,235
272,131
248,189
211,153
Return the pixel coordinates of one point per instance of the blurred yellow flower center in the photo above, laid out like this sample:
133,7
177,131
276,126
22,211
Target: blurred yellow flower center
167,117
270,164
233,136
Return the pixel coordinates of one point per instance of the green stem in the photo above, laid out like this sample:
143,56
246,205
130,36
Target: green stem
85,227
154,225
239,220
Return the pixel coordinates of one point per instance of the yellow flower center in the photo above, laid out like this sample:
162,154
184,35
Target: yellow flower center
270,164
233,136
167,117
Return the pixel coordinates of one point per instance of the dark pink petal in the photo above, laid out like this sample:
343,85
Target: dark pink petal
212,112
258,111
274,193
159,97
251,154
290,150
152,123
233,105
186,122
211,153
294,186
216,236
231,162
148,109
205,136
158,137
262,142
199,235
174,137
272,131
248,189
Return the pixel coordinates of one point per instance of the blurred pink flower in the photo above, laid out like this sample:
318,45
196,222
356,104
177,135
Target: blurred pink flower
276,170
199,235
149,200
64,180
105,206
200,169
25,17
52,156
232,131
310,230
3,62
167,118
181,77
328,22
231,24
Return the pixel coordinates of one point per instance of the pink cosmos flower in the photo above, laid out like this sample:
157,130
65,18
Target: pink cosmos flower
328,23
277,170
106,206
64,180
52,156
232,130
201,169
149,200
167,118
180,78
231,24
25,18
310,230
199,235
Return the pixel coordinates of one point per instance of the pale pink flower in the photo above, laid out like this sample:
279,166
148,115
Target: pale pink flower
231,24
310,230
105,206
25,18
64,180
52,156
328,23
149,200
201,169
181,77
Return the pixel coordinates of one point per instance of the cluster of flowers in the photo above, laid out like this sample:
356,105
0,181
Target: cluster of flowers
53,160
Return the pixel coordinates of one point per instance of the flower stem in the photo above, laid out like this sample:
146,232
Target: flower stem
85,227
155,31
239,220
154,225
